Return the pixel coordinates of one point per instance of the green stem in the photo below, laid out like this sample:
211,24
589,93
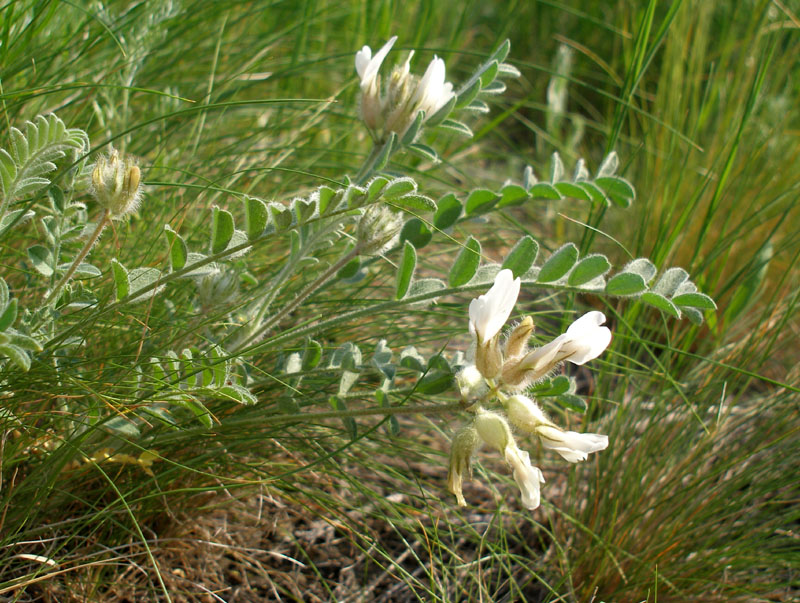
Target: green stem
425,409
369,164
53,295
301,297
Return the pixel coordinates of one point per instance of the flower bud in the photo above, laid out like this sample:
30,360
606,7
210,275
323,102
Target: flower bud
465,442
116,184
525,414
377,229
217,288
488,358
518,340
470,383
494,430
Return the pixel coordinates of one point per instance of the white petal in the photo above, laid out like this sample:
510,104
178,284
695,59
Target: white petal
434,87
362,60
489,312
586,338
571,445
526,475
370,69
545,356
444,97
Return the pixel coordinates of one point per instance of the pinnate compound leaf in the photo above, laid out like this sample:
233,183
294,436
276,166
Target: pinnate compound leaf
425,286
42,259
694,315
662,303
619,190
459,127
399,187
417,232
572,402
466,263
669,282
141,278
559,264
588,269
237,393
643,267
256,216
424,151
545,190
609,165
221,229
178,251
572,190
312,354
448,211
594,192
512,194
522,256
695,300
17,355
480,201
122,285
556,168
8,315
414,203
375,188
338,404
625,283
405,270
434,382
84,270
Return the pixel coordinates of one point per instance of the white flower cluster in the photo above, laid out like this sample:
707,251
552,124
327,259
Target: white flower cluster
500,372
395,107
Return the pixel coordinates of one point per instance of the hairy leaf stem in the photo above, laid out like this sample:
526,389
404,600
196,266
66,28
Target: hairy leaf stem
53,295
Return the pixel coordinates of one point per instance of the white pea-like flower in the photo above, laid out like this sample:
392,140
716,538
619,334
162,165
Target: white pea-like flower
432,92
573,446
487,315
528,477
368,68
526,415
584,340
490,311
495,431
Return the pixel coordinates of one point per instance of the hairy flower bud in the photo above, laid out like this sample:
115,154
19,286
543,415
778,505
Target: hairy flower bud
470,383
217,288
465,442
377,229
517,342
488,358
493,429
116,184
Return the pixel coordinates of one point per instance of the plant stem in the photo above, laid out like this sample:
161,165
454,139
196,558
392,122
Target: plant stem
369,163
425,409
53,295
301,297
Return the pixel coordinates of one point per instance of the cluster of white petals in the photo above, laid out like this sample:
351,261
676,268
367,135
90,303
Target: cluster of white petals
512,368
395,107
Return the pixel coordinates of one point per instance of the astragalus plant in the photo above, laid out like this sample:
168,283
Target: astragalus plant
147,354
